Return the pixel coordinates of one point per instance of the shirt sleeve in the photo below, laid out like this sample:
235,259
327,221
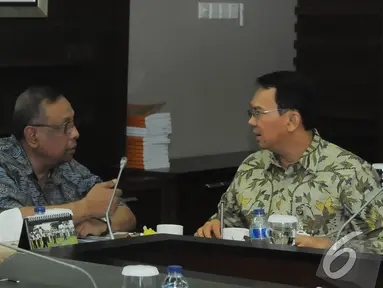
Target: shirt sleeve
363,186
10,197
85,179
82,177
232,212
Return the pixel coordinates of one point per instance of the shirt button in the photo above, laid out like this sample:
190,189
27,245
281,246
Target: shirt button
299,211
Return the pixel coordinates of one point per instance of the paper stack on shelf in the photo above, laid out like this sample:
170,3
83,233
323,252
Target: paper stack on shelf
148,139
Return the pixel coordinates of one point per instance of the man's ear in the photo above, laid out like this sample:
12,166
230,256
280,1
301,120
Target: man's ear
30,135
294,119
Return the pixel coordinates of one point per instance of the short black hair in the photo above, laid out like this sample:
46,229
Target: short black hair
28,107
294,92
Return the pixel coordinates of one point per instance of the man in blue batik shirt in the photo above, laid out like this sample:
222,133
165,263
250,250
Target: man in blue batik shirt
37,166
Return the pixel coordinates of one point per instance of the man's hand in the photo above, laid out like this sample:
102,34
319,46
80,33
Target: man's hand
91,226
209,227
97,200
93,205
313,242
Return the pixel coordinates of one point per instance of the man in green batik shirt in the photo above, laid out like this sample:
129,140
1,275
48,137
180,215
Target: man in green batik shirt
296,172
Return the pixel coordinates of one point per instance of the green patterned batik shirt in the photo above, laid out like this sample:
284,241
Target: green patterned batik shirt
322,189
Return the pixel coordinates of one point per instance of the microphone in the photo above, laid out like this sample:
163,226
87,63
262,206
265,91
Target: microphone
122,166
356,214
52,260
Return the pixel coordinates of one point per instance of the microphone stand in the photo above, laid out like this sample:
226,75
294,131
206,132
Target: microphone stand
356,214
222,203
52,260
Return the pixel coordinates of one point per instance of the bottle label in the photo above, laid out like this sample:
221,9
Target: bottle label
259,233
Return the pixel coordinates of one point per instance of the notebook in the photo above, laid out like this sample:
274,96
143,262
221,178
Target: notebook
54,228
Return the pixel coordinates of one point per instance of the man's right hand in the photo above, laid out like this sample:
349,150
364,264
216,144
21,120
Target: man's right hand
97,200
209,227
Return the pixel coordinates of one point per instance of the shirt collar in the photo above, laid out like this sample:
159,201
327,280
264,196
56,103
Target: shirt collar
308,160
20,156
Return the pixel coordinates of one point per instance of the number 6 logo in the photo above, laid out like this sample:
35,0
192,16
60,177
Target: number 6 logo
335,251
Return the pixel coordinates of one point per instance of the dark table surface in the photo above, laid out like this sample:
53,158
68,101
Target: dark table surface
207,263
266,263
37,273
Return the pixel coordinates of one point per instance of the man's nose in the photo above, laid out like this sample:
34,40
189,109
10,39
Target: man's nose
75,133
252,121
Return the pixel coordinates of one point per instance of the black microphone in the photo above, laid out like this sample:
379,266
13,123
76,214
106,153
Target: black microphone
356,214
52,260
122,166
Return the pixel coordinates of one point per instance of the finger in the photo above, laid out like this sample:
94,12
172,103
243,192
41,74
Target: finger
207,230
217,229
299,239
303,240
109,184
78,227
115,202
84,233
79,230
199,232
118,193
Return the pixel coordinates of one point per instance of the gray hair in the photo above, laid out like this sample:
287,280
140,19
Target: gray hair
28,107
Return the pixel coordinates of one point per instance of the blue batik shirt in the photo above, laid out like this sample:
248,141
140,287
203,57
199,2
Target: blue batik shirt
19,187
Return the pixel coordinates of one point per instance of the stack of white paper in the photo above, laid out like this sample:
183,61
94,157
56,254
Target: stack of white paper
148,144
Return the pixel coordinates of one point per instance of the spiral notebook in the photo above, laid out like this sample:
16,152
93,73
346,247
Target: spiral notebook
48,230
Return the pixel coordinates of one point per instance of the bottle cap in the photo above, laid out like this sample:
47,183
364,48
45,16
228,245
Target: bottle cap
39,209
140,271
259,212
276,218
174,269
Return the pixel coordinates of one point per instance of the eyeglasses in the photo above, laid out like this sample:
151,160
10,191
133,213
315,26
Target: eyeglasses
256,113
67,127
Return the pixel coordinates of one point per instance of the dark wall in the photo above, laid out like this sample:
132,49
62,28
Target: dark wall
82,50
339,45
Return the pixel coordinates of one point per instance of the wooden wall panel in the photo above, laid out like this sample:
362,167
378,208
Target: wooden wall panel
82,50
339,45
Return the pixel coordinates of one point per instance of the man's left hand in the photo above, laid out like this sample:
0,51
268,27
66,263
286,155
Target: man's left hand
313,242
91,226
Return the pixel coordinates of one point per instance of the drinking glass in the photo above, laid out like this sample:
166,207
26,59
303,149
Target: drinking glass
283,229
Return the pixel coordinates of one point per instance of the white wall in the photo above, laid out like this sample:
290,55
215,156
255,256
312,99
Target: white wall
206,69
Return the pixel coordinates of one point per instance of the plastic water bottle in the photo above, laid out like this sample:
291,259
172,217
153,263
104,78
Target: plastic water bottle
39,210
259,228
175,278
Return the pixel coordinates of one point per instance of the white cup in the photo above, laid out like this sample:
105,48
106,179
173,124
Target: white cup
235,233
140,276
170,229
